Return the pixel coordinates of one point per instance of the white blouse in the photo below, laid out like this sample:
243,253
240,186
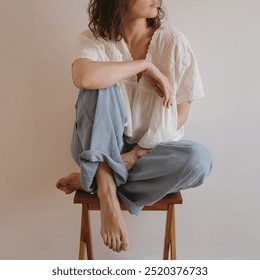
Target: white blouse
149,122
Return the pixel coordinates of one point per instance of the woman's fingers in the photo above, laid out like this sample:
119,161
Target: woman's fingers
166,89
168,100
161,85
157,89
165,94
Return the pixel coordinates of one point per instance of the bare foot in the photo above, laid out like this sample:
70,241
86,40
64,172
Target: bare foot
129,159
70,183
113,228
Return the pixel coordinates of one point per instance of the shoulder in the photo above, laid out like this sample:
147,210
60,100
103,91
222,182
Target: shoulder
97,48
172,37
87,36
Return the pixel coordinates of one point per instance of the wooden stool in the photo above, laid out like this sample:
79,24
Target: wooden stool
91,202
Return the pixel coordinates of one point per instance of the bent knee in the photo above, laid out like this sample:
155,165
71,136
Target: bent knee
200,160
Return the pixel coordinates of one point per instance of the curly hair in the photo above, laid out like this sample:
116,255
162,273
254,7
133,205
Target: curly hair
105,18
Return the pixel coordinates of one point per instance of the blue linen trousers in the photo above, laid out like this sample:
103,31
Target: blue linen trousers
98,136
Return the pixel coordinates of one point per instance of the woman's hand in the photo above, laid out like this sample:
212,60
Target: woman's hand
160,83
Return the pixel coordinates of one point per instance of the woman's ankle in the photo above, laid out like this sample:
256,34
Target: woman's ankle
105,180
139,151
106,190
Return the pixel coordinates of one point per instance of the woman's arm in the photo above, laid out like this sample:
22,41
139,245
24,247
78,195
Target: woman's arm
88,74
183,110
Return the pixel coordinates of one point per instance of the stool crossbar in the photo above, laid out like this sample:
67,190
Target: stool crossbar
90,202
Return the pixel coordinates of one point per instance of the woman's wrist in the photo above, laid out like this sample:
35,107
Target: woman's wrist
147,65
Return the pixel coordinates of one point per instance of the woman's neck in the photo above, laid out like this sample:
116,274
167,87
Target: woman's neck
138,37
134,29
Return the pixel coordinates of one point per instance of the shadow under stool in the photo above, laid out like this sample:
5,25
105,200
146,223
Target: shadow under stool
90,202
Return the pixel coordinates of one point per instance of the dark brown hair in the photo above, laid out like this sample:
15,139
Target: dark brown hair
105,18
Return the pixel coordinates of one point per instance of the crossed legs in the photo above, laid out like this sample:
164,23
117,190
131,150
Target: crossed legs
96,146
113,228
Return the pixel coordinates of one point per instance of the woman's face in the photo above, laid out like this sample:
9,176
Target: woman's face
142,8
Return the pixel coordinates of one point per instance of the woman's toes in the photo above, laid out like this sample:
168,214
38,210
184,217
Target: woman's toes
68,190
109,243
71,189
61,187
59,183
118,245
65,189
70,183
105,238
114,244
124,246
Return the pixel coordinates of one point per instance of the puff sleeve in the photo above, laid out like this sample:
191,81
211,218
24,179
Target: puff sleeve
87,46
188,83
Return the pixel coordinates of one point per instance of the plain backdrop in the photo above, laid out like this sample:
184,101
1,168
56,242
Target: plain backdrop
218,220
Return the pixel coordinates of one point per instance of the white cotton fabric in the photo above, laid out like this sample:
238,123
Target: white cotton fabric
149,123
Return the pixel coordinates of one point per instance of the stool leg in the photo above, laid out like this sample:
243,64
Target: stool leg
82,239
173,236
167,237
86,237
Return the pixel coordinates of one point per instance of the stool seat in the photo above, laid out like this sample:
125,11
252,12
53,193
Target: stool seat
90,201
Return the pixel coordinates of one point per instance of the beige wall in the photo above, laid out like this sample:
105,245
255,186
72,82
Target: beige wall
217,221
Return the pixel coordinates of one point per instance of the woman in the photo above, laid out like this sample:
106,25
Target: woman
137,78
